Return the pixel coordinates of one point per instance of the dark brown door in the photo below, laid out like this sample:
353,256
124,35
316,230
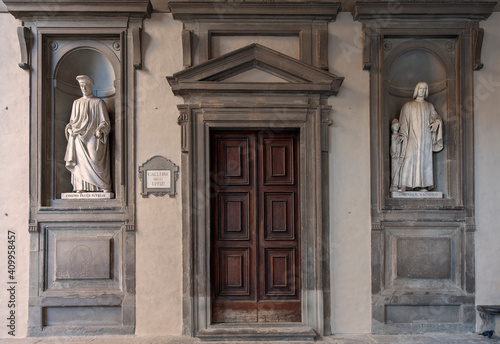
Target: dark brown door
255,243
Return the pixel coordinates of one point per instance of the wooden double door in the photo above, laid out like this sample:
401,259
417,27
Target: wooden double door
255,227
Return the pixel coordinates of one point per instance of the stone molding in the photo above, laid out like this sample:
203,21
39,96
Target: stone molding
422,10
206,77
77,8
345,5
187,10
208,19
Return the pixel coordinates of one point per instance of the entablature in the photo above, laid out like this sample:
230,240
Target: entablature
24,9
206,22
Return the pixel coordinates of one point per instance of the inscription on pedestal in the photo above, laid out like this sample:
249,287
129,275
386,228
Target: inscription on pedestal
86,195
416,194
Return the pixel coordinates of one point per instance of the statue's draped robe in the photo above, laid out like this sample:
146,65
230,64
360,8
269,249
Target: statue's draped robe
87,157
418,143
396,159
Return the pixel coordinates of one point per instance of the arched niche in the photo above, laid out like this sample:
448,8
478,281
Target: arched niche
69,58
432,42
60,40
406,64
66,89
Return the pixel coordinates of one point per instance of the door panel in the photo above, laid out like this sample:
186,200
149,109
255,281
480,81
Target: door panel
233,216
255,242
279,215
278,160
234,264
233,160
279,267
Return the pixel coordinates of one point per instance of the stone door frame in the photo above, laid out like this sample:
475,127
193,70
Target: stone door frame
213,101
196,219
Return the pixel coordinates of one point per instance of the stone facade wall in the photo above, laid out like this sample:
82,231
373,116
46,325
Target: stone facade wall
14,176
487,165
159,246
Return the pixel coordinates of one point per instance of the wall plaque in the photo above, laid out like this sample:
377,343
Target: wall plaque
158,176
158,179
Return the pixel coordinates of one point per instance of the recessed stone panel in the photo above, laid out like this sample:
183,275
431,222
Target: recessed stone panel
83,258
428,258
82,316
422,314
423,257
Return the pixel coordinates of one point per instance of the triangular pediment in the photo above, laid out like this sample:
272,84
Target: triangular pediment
239,71
256,75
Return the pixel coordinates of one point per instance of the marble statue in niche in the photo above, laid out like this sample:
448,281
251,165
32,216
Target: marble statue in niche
414,138
87,152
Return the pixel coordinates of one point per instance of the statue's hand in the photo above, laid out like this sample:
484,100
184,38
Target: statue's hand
69,131
399,139
434,126
100,131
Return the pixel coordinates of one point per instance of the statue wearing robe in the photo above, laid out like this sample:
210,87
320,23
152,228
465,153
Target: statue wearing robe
396,158
87,153
420,134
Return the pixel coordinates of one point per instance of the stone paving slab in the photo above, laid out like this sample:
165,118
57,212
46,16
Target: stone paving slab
432,338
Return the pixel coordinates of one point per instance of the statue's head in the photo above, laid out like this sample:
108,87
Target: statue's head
425,88
86,84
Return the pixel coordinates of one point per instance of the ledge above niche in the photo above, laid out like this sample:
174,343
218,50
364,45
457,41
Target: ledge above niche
109,8
422,10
